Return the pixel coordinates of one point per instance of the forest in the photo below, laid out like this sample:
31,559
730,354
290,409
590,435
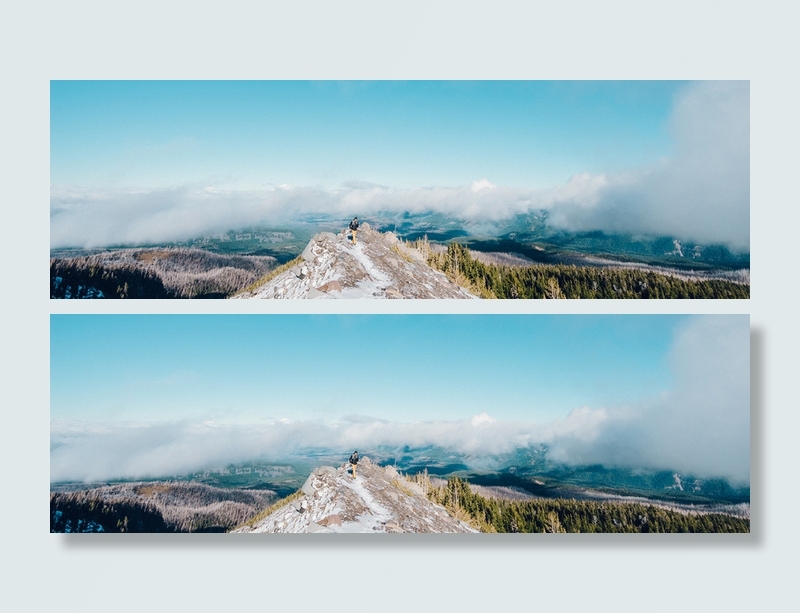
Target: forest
564,515
155,273
179,272
155,507
179,506
552,281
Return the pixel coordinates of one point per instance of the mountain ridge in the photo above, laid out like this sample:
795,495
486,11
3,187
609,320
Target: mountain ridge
378,499
377,265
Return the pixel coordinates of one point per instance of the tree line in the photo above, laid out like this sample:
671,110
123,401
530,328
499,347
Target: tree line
552,281
566,515
81,279
155,273
155,507
86,512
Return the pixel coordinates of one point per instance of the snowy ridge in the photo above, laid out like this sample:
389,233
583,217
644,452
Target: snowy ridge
377,266
377,500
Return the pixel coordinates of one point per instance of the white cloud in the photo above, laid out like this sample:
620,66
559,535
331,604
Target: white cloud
482,184
701,192
95,218
91,452
701,426
483,418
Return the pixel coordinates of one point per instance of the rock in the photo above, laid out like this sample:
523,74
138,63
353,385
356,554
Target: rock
331,520
378,266
393,527
378,500
331,286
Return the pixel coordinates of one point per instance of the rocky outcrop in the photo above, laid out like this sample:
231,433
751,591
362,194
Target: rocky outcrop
376,500
378,265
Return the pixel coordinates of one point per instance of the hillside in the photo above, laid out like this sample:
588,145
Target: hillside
383,500
569,515
155,273
154,507
377,500
569,281
378,266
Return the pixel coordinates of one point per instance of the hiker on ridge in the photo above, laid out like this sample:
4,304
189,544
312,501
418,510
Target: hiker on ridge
353,462
354,228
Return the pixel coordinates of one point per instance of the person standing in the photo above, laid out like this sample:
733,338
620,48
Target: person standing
354,228
353,462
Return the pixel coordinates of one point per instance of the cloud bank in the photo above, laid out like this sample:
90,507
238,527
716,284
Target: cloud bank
83,452
701,427
98,218
701,192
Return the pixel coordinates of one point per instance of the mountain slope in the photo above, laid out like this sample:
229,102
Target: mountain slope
154,506
377,500
155,273
377,266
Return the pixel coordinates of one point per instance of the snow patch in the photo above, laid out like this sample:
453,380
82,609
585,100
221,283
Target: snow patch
377,266
377,500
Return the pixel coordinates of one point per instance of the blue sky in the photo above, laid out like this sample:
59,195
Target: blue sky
255,134
135,162
407,368
134,394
